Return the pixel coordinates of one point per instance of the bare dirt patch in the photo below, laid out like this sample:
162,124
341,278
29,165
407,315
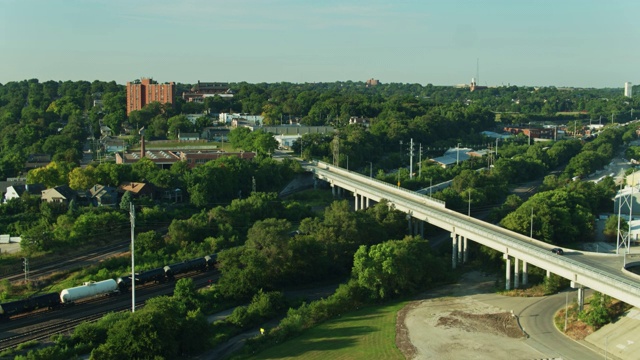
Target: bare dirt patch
449,323
502,324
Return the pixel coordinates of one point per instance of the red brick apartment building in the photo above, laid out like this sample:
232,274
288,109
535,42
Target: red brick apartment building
144,91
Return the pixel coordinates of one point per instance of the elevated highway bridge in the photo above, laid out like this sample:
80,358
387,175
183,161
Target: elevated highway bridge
601,272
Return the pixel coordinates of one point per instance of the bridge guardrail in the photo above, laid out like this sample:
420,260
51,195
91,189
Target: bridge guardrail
490,231
377,182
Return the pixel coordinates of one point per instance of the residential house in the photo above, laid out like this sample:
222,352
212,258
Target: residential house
105,130
100,195
359,120
16,191
113,144
10,182
59,194
137,189
35,161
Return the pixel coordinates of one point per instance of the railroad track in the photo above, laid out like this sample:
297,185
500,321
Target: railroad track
43,324
44,268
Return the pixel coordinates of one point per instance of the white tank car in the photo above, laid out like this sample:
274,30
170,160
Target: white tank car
88,290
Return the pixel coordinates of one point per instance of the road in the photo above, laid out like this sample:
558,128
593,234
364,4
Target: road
537,321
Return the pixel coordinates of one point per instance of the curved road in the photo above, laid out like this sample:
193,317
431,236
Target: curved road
537,321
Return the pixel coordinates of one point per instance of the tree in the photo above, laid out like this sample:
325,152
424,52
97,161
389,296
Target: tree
611,227
54,174
149,241
178,124
395,267
126,201
164,328
598,313
82,179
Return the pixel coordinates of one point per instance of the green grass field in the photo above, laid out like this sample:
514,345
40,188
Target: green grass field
369,333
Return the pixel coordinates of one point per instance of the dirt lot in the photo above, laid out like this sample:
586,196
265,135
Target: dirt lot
449,324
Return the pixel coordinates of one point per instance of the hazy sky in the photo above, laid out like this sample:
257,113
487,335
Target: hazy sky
583,43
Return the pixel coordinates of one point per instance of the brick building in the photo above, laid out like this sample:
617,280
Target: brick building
144,91
202,90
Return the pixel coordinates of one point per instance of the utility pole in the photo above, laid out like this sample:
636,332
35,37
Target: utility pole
420,162
25,262
469,211
531,236
566,310
132,214
411,159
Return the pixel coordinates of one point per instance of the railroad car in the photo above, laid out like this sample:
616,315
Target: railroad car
105,287
124,283
50,300
211,261
156,275
184,267
89,289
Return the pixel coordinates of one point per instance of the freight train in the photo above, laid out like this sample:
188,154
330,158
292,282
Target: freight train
104,287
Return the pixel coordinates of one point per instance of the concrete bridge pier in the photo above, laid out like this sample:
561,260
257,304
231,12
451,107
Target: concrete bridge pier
460,248
422,229
548,274
410,228
507,282
525,273
454,250
465,251
333,190
580,297
367,206
516,273
356,199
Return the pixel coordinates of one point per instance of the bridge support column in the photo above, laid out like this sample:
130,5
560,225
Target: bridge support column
333,190
507,282
409,224
355,200
525,273
454,250
465,251
548,274
367,203
580,297
516,273
460,249
422,229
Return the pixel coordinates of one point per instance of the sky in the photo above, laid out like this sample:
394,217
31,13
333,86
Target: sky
577,43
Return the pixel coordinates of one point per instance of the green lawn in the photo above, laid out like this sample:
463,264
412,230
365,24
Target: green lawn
368,333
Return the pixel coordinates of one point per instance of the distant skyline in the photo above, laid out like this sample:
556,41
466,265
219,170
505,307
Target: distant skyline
575,43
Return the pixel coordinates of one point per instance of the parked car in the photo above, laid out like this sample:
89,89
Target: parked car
557,251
